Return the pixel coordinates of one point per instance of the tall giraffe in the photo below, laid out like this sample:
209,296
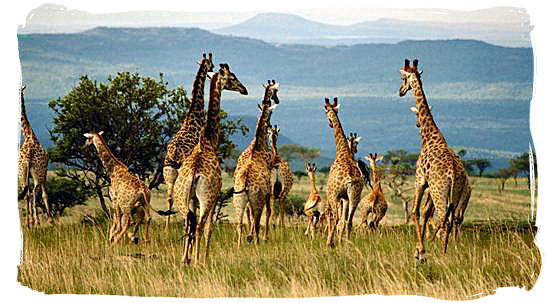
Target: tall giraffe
429,205
345,181
374,202
282,177
33,161
187,137
128,193
252,177
438,168
199,178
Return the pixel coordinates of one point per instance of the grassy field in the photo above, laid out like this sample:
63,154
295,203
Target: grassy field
495,249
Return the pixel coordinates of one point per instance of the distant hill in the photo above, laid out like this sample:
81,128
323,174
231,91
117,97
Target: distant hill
52,63
288,28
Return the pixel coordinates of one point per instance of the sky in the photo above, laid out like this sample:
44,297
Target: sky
16,13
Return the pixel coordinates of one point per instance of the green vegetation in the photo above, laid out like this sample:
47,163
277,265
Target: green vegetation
138,115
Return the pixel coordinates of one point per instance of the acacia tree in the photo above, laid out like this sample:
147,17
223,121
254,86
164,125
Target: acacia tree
138,115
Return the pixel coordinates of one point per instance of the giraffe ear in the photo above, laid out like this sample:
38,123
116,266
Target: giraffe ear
100,133
88,135
210,75
338,106
358,139
367,158
379,159
430,107
273,107
275,86
414,109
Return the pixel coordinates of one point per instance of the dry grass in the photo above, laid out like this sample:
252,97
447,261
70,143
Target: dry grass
496,249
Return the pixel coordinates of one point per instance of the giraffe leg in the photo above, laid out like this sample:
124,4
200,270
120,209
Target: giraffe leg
354,200
333,222
257,223
308,223
116,217
343,219
46,203
267,215
147,219
34,212
428,211
281,205
126,218
420,186
208,232
170,175
366,213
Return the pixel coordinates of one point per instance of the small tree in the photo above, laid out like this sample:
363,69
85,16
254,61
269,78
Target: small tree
521,164
295,151
503,175
481,164
138,115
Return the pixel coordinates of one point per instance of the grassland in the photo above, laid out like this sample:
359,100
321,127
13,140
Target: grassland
495,249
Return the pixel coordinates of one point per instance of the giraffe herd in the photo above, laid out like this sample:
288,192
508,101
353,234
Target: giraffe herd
192,174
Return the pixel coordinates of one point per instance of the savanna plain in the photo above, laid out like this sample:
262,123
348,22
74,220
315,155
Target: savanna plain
495,249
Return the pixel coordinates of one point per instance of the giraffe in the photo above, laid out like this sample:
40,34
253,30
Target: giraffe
374,202
314,207
252,177
353,141
198,184
429,206
187,137
438,168
282,177
345,181
32,162
128,193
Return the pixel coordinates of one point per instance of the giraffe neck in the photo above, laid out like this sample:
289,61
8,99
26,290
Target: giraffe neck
211,128
25,124
260,133
261,130
340,139
376,174
313,183
274,149
196,110
107,158
428,127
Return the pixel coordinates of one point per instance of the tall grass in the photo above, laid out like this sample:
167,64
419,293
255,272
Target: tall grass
495,249
73,259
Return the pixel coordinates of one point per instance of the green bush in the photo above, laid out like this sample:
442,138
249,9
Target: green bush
62,194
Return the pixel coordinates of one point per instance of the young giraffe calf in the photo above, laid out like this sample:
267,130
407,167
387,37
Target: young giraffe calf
314,208
374,202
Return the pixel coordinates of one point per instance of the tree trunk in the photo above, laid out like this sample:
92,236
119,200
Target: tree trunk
102,200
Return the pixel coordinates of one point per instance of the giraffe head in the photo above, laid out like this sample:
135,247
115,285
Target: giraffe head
310,169
92,138
416,111
407,73
373,159
271,92
273,133
331,110
207,62
228,80
353,141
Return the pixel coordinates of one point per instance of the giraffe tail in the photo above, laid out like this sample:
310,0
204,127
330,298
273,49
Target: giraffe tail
160,212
